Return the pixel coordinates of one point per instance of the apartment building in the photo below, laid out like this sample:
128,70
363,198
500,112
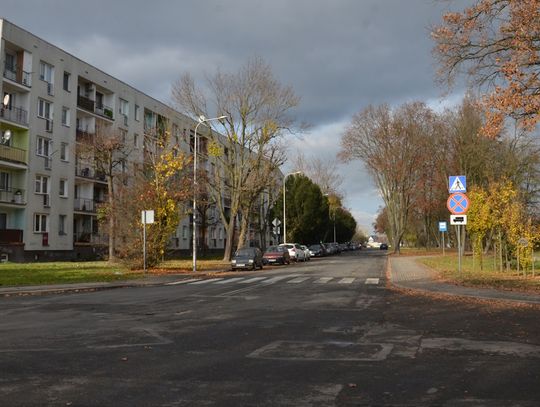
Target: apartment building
48,194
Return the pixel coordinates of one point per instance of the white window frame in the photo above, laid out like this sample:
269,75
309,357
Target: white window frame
41,184
64,152
45,109
66,116
184,232
124,107
137,113
68,87
43,146
46,72
63,185
41,223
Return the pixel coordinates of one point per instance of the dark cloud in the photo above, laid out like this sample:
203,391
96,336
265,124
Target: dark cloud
338,55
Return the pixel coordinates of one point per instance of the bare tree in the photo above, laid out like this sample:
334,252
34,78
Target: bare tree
257,107
390,145
324,173
107,153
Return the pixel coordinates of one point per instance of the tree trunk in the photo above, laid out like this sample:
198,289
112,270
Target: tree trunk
230,237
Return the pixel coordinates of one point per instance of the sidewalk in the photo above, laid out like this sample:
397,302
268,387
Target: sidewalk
406,272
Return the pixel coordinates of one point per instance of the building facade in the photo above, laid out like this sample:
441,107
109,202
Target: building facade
49,195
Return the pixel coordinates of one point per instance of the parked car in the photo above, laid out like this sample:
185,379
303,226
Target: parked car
317,250
295,251
277,255
383,246
306,252
247,258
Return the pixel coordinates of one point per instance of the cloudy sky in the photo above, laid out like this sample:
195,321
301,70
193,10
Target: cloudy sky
338,55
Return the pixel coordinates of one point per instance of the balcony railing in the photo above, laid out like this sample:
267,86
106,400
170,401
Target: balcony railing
84,205
85,103
13,195
83,136
15,115
104,111
12,154
11,236
22,77
91,238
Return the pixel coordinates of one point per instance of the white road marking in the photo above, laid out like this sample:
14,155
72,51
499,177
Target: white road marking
190,280
273,280
230,280
298,280
347,280
372,281
208,280
323,280
252,280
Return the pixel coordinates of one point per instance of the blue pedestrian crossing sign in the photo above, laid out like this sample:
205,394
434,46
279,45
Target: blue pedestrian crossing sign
457,183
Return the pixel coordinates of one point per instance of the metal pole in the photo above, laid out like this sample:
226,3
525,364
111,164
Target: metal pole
459,247
442,243
284,220
335,227
195,196
144,241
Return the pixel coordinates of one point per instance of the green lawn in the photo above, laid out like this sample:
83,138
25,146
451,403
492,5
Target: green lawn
471,274
20,274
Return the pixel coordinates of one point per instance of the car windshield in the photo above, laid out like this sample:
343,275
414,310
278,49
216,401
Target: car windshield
244,252
288,246
274,249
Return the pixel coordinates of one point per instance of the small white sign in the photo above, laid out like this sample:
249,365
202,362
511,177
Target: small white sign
458,219
442,227
147,217
276,222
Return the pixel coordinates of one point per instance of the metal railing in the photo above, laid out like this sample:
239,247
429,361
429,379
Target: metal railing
12,154
88,237
85,103
84,205
22,77
13,195
104,111
11,236
15,115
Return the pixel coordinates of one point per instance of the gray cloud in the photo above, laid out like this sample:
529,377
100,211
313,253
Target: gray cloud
338,55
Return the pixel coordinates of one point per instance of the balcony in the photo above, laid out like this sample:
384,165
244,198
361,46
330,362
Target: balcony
8,236
19,76
84,137
85,103
12,154
13,195
84,205
104,111
15,114
90,238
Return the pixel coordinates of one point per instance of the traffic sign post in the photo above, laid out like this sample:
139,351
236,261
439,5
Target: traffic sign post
458,205
147,217
442,229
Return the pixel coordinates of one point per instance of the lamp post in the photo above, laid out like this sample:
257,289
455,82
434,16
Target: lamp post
201,120
284,219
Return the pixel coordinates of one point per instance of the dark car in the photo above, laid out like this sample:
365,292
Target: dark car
383,246
277,255
317,250
247,258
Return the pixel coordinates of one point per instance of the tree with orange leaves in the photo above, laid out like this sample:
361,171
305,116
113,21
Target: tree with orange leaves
496,43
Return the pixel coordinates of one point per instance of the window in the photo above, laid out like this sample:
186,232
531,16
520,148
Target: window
10,63
63,188
212,233
136,140
42,184
4,181
44,109
124,107
137,113
3,221
123,135
46,72
62,224
43,147
65,116
184,232
41,222
220,234
67,76
64,151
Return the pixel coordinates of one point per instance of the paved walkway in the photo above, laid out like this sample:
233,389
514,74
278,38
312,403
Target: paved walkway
407,272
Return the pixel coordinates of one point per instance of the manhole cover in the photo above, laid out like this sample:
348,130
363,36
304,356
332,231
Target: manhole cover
294,350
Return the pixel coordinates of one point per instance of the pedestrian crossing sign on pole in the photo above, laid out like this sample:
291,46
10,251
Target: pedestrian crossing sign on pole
457,183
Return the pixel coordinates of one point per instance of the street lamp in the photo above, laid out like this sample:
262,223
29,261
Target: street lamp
284,219
201,120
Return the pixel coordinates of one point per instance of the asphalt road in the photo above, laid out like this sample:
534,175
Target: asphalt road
323,333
